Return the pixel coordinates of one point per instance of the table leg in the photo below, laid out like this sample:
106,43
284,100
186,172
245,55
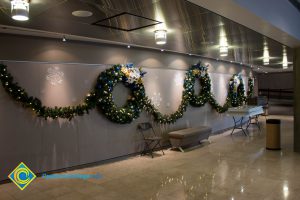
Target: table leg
238,124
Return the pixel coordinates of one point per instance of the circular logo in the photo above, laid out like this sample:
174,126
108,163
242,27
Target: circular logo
21,176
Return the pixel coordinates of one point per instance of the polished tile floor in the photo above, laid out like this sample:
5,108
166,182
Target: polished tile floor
231,167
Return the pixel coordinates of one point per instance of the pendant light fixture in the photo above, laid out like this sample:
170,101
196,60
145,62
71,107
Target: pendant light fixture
160,37
223,43
266,54
284,59
20,10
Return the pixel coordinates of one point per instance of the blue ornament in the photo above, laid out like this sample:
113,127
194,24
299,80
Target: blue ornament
129,65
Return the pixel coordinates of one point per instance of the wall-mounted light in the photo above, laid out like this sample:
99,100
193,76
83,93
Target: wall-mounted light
223,44
64,39
223,51
160,37
20,10
266,55
284,59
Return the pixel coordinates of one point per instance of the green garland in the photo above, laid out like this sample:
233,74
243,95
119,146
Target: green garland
236,97
132,78
20,95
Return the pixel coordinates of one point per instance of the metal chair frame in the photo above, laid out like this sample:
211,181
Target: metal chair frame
256,122
153,141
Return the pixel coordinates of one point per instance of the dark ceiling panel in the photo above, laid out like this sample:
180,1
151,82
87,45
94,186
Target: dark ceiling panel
126,22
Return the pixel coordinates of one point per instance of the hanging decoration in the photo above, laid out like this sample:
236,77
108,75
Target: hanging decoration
236,90
198,72
20,95
131,77
250,87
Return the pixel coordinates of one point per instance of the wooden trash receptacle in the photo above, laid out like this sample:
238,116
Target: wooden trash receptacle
273,134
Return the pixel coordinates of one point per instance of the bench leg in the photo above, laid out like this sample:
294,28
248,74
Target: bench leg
181,149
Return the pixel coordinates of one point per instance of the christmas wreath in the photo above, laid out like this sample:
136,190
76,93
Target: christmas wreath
237,91
198,72
132,78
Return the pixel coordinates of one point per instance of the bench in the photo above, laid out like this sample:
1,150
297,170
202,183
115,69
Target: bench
184,137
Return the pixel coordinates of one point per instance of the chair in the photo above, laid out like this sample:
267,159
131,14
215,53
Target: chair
152,141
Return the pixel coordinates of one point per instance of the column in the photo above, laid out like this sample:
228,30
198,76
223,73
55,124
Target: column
296,67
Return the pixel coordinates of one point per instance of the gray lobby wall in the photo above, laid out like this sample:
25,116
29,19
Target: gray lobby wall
46,145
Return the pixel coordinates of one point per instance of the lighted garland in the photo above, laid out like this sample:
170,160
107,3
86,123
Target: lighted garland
132,78
167,119
20,95
236,95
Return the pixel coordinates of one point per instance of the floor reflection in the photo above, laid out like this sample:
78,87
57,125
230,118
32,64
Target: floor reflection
230,168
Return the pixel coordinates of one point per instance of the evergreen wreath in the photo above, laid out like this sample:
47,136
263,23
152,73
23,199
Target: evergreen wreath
132,78
236,90
250,87
198,72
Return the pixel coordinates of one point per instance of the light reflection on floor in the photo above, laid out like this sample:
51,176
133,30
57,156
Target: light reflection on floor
231,167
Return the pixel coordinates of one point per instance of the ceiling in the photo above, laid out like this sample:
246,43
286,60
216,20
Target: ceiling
191,29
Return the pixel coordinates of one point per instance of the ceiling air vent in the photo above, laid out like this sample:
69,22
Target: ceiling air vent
126,22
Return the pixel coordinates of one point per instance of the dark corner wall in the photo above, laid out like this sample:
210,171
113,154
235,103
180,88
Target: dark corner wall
277,86
296,66
61,74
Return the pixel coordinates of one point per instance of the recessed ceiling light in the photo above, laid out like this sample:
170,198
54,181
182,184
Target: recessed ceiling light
190,54
162,50
128,46
82,13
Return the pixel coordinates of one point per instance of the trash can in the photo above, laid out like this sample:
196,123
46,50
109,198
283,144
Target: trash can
273,134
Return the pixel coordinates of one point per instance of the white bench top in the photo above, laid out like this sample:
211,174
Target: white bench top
189,132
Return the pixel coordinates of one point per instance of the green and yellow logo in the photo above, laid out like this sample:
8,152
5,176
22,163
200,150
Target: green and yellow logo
22,176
